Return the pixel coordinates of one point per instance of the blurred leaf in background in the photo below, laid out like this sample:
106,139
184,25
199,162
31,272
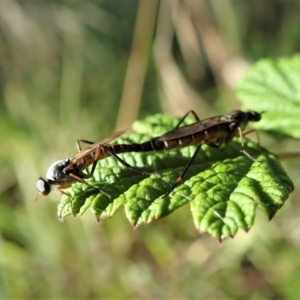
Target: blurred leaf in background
81,69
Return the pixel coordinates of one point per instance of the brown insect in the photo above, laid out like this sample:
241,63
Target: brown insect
63,173
214,132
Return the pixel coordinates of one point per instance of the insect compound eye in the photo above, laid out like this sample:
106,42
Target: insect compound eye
254,116
43,186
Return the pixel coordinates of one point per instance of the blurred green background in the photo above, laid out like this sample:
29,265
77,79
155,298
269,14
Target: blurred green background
83,69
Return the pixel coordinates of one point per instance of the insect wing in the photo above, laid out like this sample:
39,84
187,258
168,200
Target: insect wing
78,156
191,129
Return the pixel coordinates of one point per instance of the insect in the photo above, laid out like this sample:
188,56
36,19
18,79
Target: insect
214,132
63,173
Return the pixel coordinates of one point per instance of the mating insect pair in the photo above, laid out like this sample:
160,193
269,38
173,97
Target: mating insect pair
214,132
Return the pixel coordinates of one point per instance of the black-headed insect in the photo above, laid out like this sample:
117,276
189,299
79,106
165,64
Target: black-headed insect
214,132
63,173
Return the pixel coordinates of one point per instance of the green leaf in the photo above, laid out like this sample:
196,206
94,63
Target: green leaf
223,187
273,86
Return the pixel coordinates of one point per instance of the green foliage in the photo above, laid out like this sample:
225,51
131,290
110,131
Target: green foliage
64,75
273,86
223,186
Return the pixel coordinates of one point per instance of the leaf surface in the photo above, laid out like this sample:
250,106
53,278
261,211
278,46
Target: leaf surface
273,86
223,187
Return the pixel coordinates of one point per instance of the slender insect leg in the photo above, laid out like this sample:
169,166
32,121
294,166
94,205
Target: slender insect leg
79,142
243,146
62,187
96,158
183,118
64,193
79,148
183,172
96,154
103,148
123,162
180,177
83,181
257,134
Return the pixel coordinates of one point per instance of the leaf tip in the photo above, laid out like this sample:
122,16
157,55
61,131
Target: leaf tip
98,220
271,216
60,218
135,226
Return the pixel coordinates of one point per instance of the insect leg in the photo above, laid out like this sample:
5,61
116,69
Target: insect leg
183,118
243,146
123,162
180,177
96,158
62,187
103,148
79,142
83,181
183,172
257,134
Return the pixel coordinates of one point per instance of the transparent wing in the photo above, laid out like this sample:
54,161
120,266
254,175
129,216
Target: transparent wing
94,146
